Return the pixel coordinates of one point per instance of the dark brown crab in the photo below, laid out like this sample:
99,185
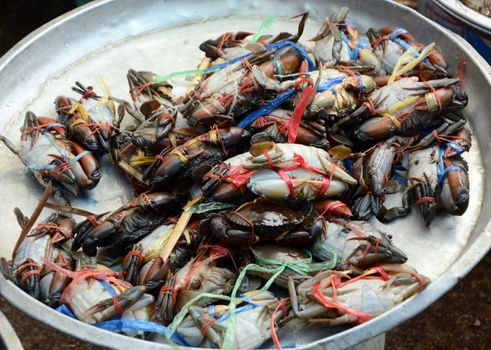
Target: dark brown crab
266,221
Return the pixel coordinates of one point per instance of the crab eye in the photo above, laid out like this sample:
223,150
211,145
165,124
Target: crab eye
195,284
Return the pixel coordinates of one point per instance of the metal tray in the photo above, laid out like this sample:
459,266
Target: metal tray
469,16
8,337
107,37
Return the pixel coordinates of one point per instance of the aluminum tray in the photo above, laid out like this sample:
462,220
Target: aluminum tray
469,16
8,337
108,37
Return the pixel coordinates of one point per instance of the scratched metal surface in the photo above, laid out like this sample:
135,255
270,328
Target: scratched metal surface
108,37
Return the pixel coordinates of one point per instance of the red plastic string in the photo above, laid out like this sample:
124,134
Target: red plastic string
209,321
239,176
81,275
139,89
136,253
194,267
268,157
284,176
167,116
425,199
93,220
332,206
461,68
249,222
117,305
420,279
361,316
224,38
90,92
281,305
30,273
166,289
302,104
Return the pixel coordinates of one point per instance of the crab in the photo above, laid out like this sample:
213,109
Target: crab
264,221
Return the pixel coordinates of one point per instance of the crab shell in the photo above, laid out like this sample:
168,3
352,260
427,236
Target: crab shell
269,218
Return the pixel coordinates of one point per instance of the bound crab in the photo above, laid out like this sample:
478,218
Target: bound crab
124,226
356,245
135,161
194,158
232,91
339,42
332,299
337,95
231,45
278,172
47,242
274,127
266,221
206,326
435,181
50,157
154,110
407,106
374,172
88,121
390,44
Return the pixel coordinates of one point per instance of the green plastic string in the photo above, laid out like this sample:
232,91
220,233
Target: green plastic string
230,333
330,251
179,74
302,267
265,24
228,341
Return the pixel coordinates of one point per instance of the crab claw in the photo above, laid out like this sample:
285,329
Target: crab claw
99,236
153,272
109,308
375,251
132,264
362,207
27,277
425,199
164,308
454,191
212,47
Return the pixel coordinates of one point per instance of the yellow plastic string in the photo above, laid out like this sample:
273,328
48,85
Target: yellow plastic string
393,119
106,99
432,102
396,107
181,157
402,68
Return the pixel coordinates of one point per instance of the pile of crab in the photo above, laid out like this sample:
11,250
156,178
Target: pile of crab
252,190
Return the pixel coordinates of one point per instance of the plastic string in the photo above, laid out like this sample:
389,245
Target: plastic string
265,24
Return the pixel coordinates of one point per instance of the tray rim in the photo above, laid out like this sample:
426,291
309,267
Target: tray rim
402,312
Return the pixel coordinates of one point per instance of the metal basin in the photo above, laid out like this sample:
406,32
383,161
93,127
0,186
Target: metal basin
472,18
108,37
8,337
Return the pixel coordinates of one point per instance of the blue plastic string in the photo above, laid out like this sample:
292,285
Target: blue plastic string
456,147
79,156
251,117
38,166
237,311
442,172
108,287
273,46
138,326
329,84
